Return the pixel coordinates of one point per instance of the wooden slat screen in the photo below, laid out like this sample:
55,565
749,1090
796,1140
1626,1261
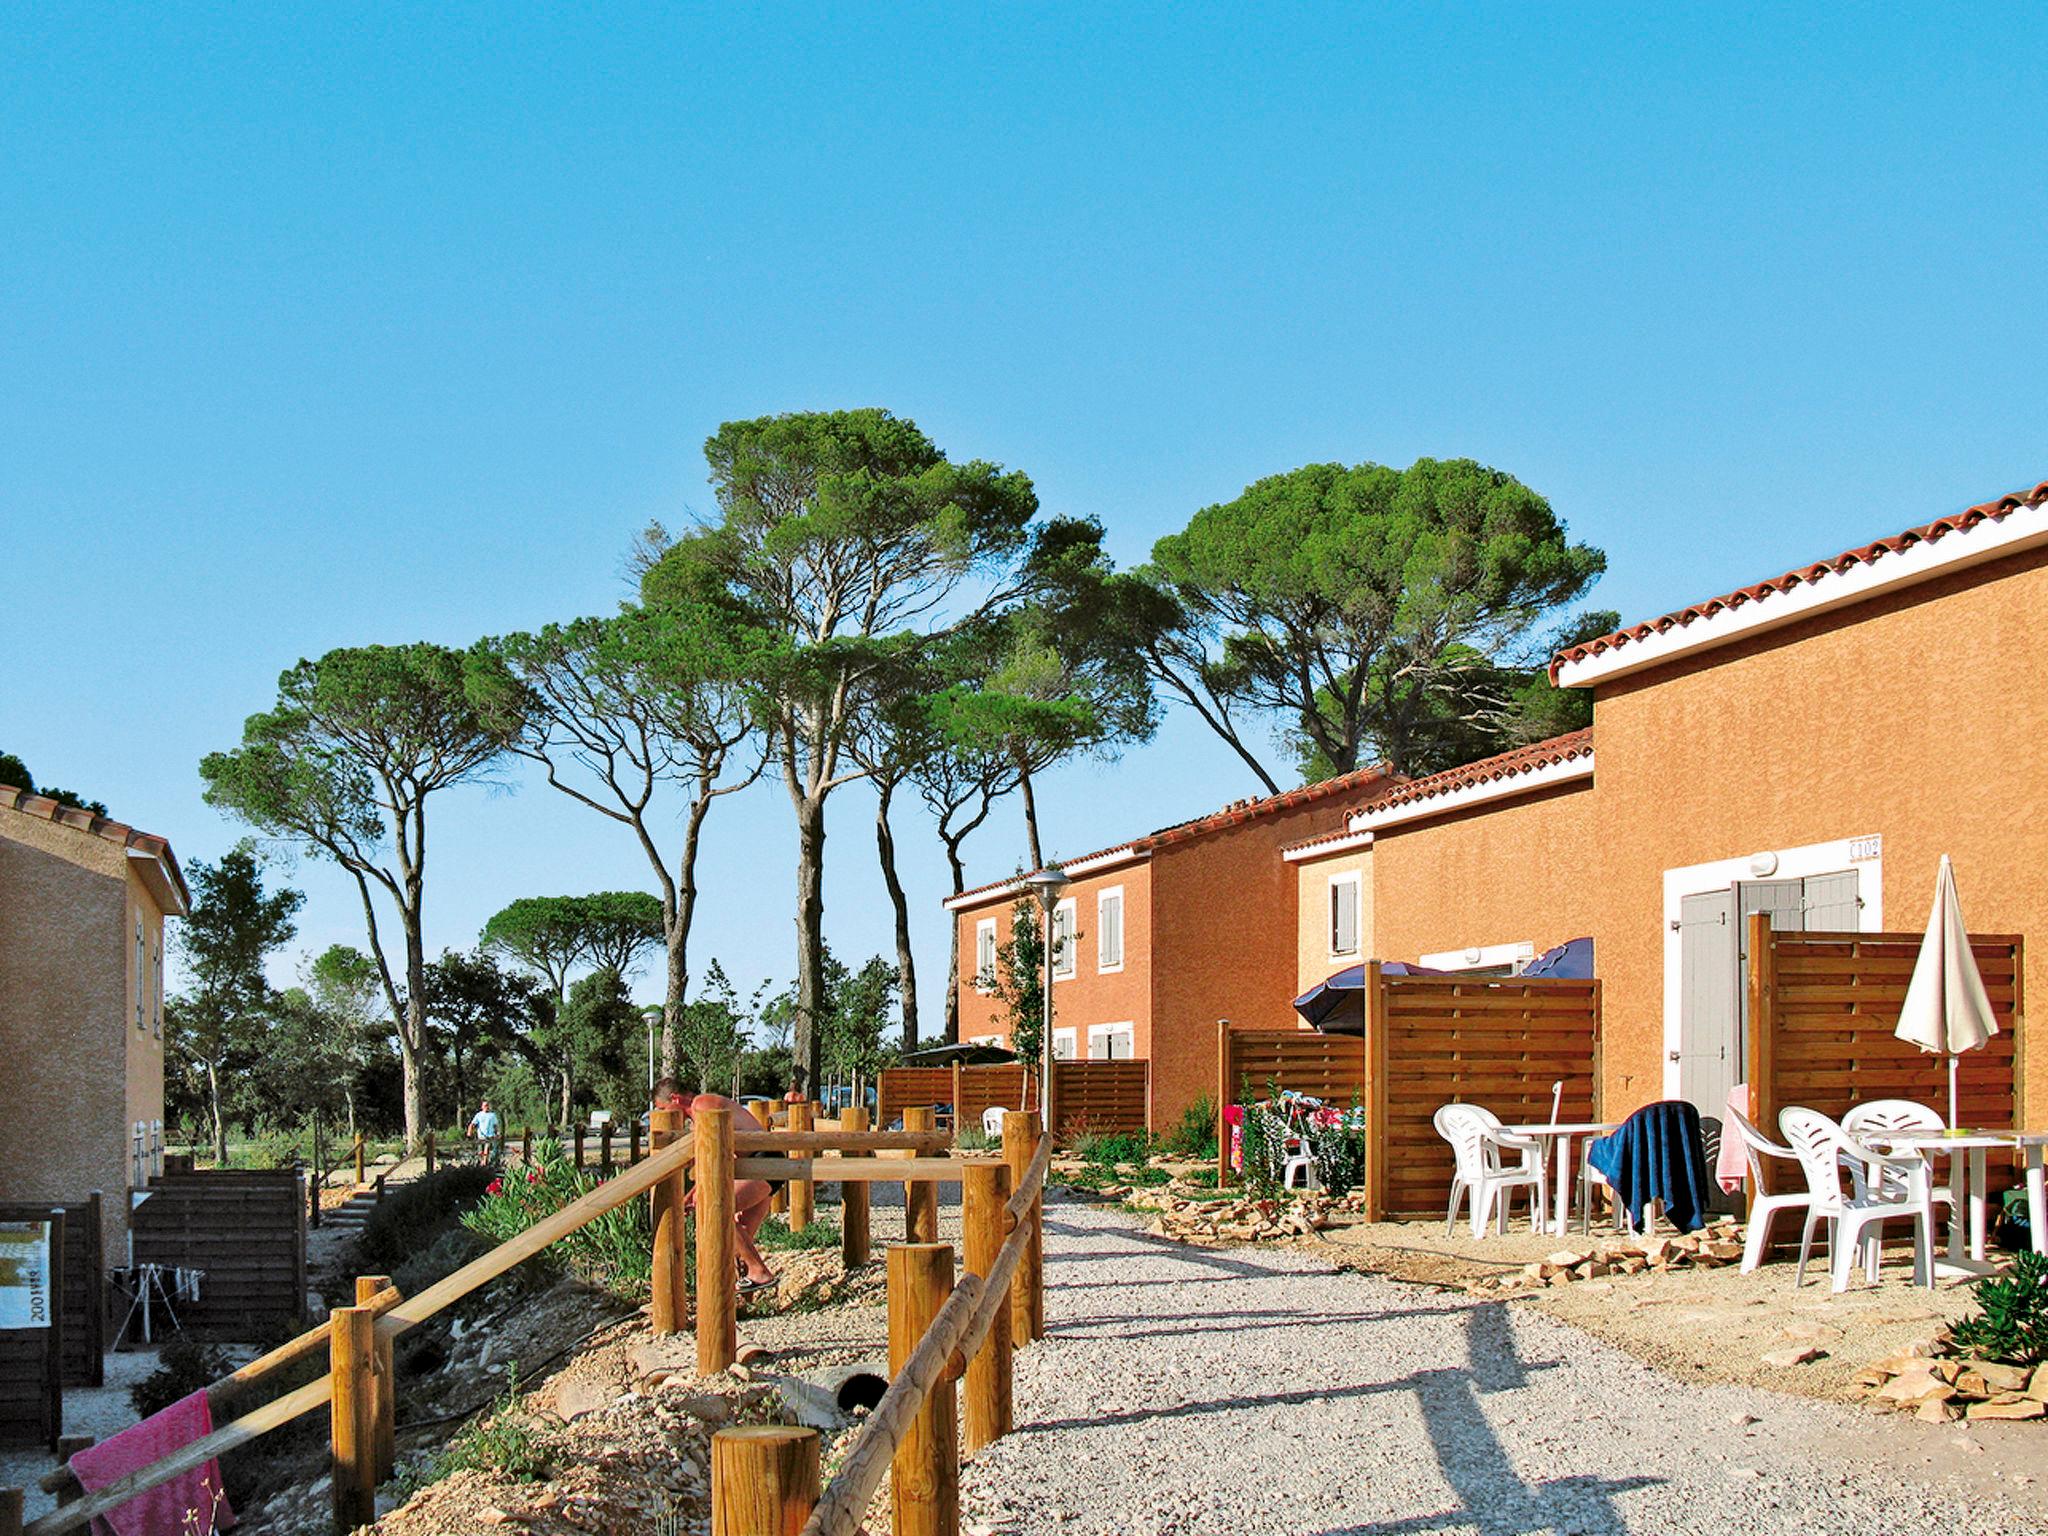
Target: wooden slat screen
1099,1095
1500,1043
901,1088
246,1230
1003,1086
1833,1006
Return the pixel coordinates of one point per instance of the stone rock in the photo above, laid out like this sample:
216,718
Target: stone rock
706,1407
2009,1405
1937,1410
1567,1258
1791,1355
576,1397
754,1354
1717,1248
1912,1386
2001,1378
2037,1387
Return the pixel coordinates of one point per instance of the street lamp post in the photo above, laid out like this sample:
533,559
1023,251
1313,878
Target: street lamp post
1047,883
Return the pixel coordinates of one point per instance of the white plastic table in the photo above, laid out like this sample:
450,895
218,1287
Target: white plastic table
1556,1154
1967,1177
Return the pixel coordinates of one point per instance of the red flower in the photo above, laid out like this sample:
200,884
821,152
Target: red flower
494,1186
533,1175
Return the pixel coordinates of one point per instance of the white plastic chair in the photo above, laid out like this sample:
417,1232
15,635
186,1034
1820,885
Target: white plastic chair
1478,1143
1821,1146
992,1123
1869,1122
1763,1207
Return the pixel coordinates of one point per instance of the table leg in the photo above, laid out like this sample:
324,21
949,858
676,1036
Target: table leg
1561,1223
1958,1172
2037,1199
1979,1198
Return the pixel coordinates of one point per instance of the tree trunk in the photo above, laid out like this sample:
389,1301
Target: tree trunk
568,1098
220,1126
959,872
810,942
906,964
678,911
1030,820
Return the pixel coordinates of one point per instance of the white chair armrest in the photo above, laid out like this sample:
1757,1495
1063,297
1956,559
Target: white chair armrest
1515,1143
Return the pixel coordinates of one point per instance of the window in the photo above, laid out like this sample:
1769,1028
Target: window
141,975
1111,1042
1063,1045
1343,915
985,954
157,1000
1063,940
1109,929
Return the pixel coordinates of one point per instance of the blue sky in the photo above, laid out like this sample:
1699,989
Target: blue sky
320,328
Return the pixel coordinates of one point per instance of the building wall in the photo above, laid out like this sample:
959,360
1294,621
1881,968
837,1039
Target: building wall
1312,960
1519,871
144,1056
1918,718
1091,996
65,1014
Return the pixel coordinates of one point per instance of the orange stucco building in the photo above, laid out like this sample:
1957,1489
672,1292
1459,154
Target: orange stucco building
1140,971
1810,745
82,907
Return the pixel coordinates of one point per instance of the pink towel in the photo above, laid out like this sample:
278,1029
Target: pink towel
190,1504
1731,1167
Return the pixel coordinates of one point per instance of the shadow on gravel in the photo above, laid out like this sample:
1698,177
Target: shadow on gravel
1215,1322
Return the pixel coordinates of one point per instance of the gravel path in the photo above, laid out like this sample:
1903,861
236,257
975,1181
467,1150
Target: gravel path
1250,1392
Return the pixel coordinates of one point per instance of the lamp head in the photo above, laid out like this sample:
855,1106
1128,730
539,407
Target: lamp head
1047,884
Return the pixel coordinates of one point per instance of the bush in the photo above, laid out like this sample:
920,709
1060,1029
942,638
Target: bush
1195,1133
183,1367
414,1216
2010,1324
502,1443
1106,1149
1200,1178
972,1138
616,1250
775,1235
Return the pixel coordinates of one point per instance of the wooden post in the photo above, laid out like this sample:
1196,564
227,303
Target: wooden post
526,1146
958,1115
1222,1101
1027,1290
764,1480
920,1196
367,1287
633,1142
10,1511
763,1110
1762,982
69,1446
313,1197
579,1146
359,1159
802,1197
670,1289
604,1148
985,1191
924,1478
352,1432
717,1277
1377,1138
853,1199
430,1154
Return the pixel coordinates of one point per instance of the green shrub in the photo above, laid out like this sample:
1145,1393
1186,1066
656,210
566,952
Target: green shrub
2010,1324
1194,1135
614,1250
183,1366
1106,1149
972,1138
775,1235
1200,1178
413,1216
502,1443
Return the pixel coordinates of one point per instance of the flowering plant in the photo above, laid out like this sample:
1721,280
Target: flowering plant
614,1250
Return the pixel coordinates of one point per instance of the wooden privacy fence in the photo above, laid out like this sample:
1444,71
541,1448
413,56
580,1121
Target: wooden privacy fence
32,1359
358,1388
1822,1008
245,1229
84,1358
1101,1096
970,1090
1428,1041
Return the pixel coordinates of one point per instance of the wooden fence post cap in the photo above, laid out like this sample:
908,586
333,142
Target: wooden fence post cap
777,1434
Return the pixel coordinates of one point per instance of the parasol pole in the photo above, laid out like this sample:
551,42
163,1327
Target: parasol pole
1952,1091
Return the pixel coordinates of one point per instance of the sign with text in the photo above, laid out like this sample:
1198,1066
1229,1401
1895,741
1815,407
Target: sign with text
25,1274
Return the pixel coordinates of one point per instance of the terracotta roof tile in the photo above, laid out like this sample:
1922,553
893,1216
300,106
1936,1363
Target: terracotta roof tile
45,809
1236,814
1505,765
1867,554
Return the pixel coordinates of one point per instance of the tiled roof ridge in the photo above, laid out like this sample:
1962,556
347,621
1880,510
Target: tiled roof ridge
1502,765
1866,554
1234,814
43,808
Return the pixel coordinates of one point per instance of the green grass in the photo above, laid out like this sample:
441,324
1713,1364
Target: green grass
775,1236
503,1442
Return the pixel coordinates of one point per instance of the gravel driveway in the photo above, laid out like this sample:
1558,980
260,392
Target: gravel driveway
1245,1392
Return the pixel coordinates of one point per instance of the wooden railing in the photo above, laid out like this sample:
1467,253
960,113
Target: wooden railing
940,1333
358,1387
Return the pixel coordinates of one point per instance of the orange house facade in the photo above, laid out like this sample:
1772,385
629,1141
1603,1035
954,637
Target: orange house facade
1139,971
1808,746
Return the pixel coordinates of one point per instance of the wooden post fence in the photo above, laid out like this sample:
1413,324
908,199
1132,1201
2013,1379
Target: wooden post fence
11,1500
633,1142
717,1279
924,1478
1377,1083
985,1224
763,1111
526,1145
353,1428
801,1203
669,1292
430,1154
1223,1092
920,1196
359,1160
853,1199
764,1480
368,1287
604,1148
1027,1295
579,1147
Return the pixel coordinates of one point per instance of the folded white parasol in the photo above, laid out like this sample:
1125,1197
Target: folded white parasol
1947,1011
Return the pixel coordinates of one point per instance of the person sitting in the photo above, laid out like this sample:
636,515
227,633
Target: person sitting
750,1197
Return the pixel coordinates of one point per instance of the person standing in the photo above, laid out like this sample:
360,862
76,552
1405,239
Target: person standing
484,1125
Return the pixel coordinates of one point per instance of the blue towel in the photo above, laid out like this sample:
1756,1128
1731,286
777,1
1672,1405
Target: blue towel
1658,1154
